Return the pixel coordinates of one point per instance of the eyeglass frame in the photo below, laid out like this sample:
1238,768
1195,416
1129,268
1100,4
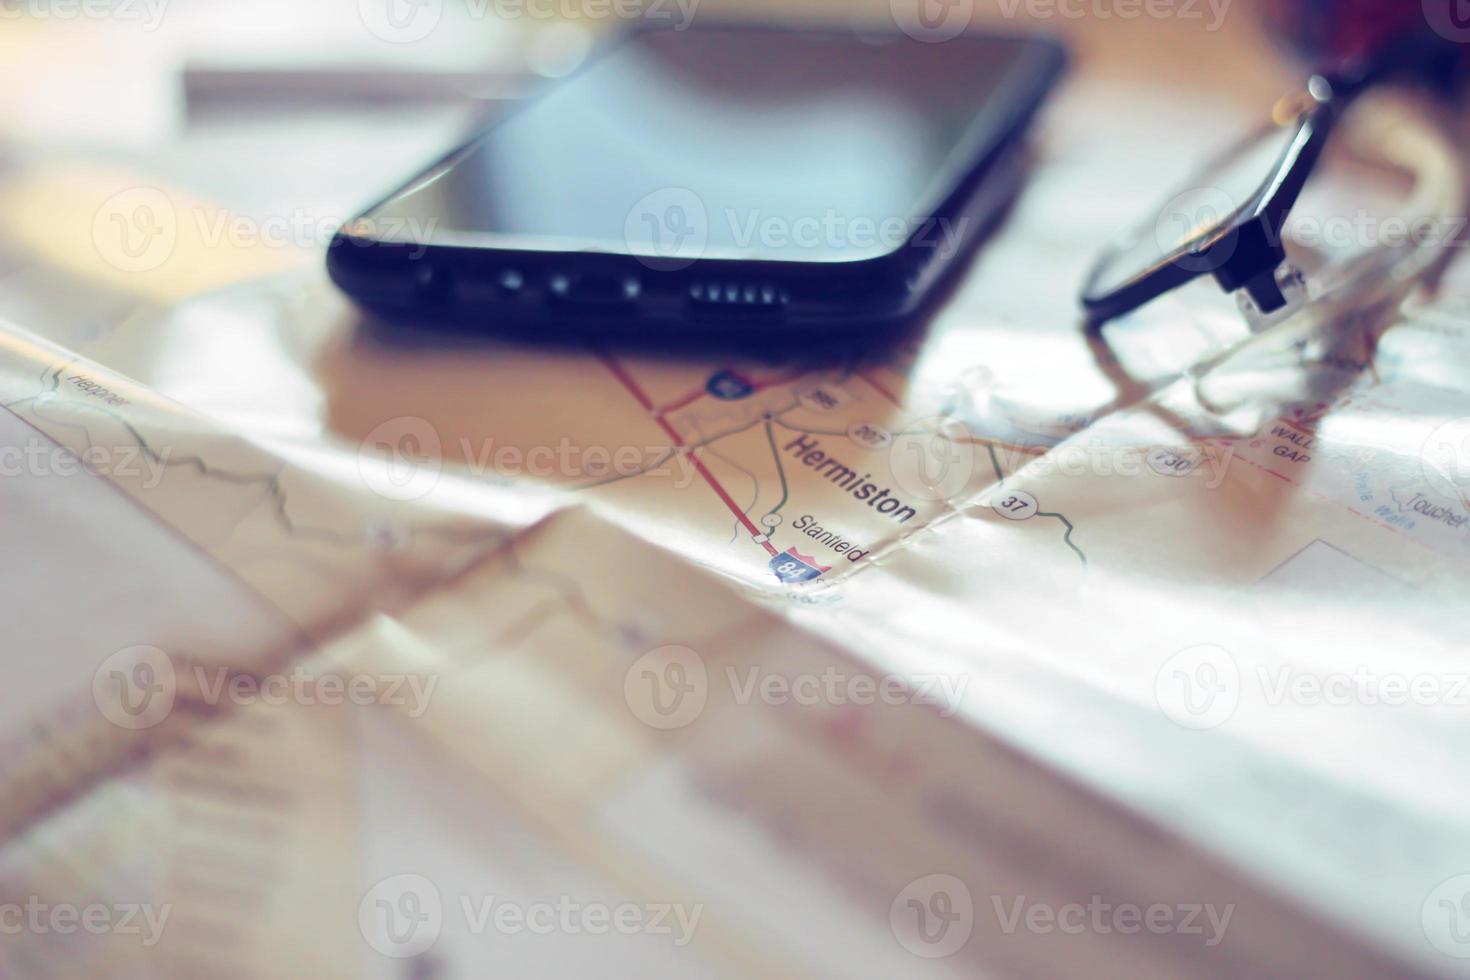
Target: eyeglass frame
1245,250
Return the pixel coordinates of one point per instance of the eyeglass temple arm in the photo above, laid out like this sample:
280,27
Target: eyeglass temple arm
1257,253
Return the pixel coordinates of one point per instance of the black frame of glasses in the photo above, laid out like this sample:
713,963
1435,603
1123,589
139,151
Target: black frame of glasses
1244,250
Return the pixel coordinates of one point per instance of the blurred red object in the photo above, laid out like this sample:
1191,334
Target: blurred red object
1338,30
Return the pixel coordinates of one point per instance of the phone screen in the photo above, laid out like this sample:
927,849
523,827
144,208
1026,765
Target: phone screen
738,143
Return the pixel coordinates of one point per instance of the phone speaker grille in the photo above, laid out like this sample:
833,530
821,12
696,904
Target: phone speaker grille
732,295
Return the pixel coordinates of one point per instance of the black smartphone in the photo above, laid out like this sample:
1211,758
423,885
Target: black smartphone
712,184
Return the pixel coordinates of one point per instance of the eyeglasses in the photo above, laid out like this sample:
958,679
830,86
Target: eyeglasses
1230,223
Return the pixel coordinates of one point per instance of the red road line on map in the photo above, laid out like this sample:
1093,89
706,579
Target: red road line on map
637,392
671,431
881,390
627,380
1328,500
1299,426
780,379
734,507
679,403
684,401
